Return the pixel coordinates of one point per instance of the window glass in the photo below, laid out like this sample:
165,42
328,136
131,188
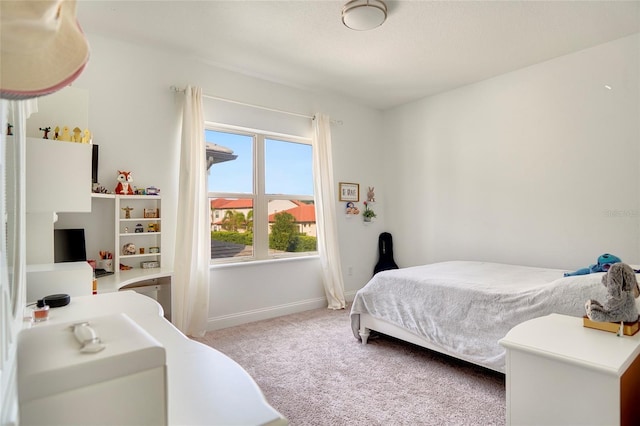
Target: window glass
231,227
288,168
292,227
261,196
230,174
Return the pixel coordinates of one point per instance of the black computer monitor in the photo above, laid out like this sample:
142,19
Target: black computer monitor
69,245
94,163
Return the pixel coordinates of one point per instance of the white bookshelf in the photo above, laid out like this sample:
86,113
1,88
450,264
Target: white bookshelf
148,240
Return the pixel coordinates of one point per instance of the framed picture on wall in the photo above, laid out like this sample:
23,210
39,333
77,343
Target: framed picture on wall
349,191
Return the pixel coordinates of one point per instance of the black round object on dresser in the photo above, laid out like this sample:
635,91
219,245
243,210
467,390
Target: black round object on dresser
57,300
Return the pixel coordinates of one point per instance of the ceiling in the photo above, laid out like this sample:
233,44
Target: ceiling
424,47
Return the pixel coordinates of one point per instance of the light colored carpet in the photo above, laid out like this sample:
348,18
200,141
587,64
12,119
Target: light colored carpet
313,371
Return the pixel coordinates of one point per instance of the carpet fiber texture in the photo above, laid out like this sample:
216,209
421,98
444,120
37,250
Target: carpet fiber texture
313,371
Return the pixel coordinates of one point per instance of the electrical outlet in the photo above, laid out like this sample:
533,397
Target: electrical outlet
349,270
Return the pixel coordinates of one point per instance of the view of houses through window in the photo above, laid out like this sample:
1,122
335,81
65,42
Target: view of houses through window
261,195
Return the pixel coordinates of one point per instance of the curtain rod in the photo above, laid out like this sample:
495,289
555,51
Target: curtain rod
297,114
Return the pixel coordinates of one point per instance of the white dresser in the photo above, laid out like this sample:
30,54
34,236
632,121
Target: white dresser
204,385
561,373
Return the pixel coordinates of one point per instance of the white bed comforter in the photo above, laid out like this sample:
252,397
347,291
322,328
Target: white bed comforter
465,308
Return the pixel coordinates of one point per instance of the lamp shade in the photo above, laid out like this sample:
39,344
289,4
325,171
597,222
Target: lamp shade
363,15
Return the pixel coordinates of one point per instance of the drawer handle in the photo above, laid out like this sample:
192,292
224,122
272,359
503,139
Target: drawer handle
87,337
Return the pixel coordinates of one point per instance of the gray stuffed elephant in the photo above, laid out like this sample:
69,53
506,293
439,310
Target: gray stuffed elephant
622,290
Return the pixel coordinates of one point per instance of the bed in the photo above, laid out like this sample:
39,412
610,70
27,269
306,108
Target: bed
463,308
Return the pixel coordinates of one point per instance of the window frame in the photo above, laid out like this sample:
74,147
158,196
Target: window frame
260,199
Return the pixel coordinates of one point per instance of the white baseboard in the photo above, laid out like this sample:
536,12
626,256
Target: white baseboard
224,321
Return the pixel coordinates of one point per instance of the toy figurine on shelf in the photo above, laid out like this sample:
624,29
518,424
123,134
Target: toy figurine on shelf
86,138
152,190
76,135
65,136
46,131
99,189
56,133
124,180
127,212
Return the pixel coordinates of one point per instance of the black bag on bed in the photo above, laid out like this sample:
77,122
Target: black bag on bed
385,251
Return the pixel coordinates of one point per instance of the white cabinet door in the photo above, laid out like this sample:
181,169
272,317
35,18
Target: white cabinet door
58,176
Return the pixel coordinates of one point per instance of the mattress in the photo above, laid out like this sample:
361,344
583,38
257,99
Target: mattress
464,307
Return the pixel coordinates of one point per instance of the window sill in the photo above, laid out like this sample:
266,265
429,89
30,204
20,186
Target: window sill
244,263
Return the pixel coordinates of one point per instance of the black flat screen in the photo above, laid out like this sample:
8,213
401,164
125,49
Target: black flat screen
69,245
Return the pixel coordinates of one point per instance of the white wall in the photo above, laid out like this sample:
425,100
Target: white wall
135,119
535,167
523,168
66,107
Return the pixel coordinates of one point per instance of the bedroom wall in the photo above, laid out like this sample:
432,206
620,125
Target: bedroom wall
135,119
535,167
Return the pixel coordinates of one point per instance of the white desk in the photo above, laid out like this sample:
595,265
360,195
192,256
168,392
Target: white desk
153,282
205,386
119,279
559,373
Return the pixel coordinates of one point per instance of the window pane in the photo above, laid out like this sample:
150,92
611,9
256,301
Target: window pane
288,168
231,171
231,227
292,226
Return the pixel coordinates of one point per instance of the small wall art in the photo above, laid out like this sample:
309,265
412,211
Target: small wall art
349,191
352,209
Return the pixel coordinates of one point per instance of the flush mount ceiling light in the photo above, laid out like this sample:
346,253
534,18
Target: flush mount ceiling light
363,15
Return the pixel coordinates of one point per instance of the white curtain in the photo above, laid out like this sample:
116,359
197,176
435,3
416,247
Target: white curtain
326,223
190,284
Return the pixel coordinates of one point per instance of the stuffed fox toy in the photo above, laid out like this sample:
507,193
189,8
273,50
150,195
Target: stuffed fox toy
622,290
123,187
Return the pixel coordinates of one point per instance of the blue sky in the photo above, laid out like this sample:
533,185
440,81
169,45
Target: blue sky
288,169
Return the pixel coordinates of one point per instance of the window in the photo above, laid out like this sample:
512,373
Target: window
261,195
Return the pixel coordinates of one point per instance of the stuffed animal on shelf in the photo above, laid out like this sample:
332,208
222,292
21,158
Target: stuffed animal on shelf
604,263
128,249
622,290
371,196
123,187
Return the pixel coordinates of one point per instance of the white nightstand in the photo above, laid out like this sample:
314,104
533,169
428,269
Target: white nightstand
559,372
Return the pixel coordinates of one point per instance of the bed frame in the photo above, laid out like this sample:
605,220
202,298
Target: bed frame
369,323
